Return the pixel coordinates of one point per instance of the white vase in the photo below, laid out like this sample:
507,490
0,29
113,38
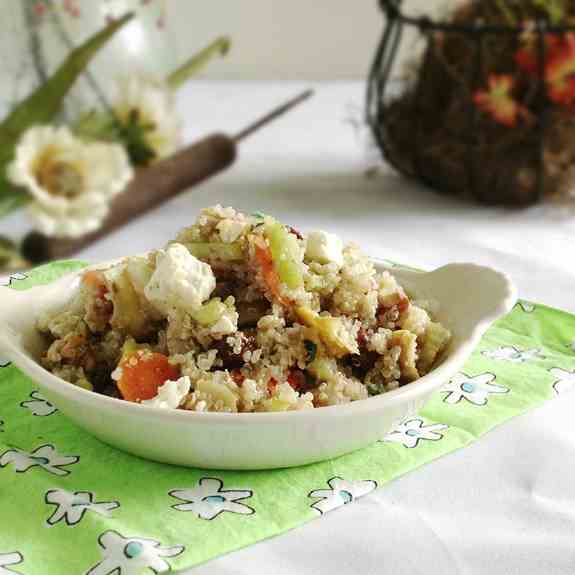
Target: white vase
36,36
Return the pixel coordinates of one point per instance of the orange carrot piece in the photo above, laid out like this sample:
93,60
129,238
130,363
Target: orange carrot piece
142,373
270,275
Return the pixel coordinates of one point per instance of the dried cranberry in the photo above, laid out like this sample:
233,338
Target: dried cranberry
296,378
302,381
295,232
226,353
272,384
237,376
362,338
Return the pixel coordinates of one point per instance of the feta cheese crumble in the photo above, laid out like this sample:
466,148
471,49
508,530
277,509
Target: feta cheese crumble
180,280
324,248
226,324
171,394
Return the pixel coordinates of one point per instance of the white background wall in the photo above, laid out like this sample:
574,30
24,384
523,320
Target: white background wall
287,39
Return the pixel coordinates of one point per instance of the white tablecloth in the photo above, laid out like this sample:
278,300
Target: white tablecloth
505,505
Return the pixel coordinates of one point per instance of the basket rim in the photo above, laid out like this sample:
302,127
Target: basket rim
392,8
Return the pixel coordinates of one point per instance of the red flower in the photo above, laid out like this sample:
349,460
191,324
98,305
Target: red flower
559,66
560,72
498,100
40,9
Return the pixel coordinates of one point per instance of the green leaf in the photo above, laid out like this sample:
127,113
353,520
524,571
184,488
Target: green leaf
45,102
219,47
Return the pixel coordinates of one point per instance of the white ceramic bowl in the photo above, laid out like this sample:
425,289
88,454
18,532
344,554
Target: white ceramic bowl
470,299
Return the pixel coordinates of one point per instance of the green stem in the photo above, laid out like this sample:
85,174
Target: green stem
65,38
506,11
219,47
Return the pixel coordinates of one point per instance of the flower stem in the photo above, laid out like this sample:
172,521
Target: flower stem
506,11
34,43
67,41
219,47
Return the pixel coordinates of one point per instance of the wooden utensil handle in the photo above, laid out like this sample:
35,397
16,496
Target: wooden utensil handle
150,187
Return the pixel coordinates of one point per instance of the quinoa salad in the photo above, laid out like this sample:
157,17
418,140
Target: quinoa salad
241,313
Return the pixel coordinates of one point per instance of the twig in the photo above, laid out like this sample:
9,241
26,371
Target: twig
270,116
34,43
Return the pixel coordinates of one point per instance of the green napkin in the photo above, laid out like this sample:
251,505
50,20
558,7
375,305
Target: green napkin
70,504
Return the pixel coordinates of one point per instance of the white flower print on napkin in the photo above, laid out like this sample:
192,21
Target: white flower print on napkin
410,432
4,362
7,280
565,380
39,405
341,492
132,555
474,389
513,354
9,559
71,506
44,456
207,500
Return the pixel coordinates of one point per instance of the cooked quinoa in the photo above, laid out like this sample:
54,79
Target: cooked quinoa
239,314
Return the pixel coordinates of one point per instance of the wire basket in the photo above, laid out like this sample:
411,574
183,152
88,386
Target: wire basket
423,105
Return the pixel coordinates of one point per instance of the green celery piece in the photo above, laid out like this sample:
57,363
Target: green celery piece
218,47
215,250
43,104
285,250
210,312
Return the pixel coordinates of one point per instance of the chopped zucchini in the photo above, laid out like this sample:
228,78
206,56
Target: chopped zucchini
434,340
210,312
216,251
330,330
276,404
323,369
128,316
286,254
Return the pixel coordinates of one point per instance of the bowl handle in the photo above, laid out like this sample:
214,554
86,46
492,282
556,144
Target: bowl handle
478,295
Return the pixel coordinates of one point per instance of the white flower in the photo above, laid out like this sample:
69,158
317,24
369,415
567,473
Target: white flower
152,104
473,389
44,456
341,492
513,354
8,559
71,182
132,555
410,432
39,405
565,380
207,500
72,505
